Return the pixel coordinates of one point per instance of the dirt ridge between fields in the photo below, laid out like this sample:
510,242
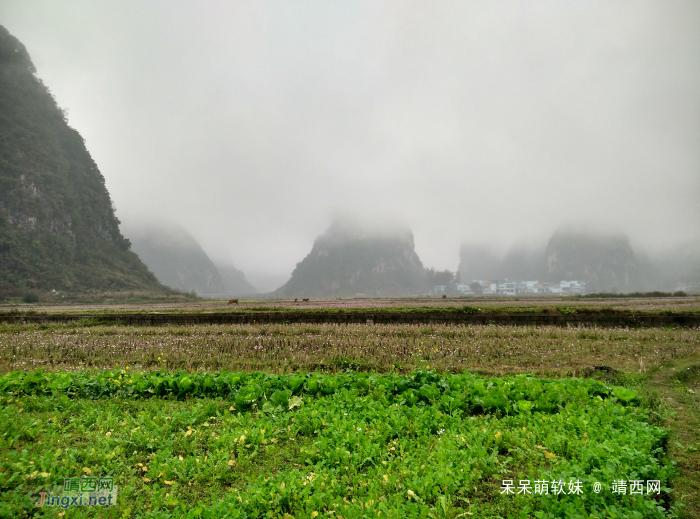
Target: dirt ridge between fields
602,319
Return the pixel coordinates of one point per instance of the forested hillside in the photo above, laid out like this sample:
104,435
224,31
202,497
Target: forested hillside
57,224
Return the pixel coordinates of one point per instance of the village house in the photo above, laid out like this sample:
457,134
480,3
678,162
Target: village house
512,288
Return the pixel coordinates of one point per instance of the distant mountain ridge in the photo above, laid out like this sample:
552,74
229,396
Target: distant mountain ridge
179,261
57,224
350,260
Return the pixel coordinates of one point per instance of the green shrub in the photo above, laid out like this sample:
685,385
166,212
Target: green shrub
30,297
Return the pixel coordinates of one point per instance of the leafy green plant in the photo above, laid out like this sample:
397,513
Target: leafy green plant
244,445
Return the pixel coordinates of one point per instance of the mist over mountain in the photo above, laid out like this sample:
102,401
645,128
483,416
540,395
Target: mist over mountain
235,282
678,267
523,262
179,261
478,120
57,224
251,126
266,282
607,262
604,262
351,259
176,259
478,262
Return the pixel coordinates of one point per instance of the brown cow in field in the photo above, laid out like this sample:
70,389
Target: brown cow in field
295,300
305,300
444,296
233,301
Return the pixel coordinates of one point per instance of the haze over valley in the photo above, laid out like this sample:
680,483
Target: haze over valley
348,149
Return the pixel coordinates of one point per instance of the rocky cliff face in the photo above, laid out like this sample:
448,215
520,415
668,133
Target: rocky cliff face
57,224
348,260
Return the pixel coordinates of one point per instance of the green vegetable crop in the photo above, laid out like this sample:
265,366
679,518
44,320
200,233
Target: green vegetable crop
248,445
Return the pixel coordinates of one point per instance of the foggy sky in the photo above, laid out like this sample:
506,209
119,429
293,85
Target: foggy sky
253,123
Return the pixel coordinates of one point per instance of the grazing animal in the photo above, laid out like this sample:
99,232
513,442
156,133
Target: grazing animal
295,300
444,296
233,301
304,300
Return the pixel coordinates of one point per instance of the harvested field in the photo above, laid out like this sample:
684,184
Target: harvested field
485,304
382,348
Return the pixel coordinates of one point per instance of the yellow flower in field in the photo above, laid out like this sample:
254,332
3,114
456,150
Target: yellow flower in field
549,455
498,435
386,478
87,470
411,493
314,513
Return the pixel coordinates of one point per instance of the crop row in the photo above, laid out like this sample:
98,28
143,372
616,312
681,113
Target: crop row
464,392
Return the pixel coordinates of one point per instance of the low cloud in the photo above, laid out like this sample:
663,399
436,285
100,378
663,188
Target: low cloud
253,124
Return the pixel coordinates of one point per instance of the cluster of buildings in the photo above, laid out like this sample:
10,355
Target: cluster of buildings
514,288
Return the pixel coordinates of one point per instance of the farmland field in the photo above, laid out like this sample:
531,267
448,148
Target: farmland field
352,420
485,304
283,348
